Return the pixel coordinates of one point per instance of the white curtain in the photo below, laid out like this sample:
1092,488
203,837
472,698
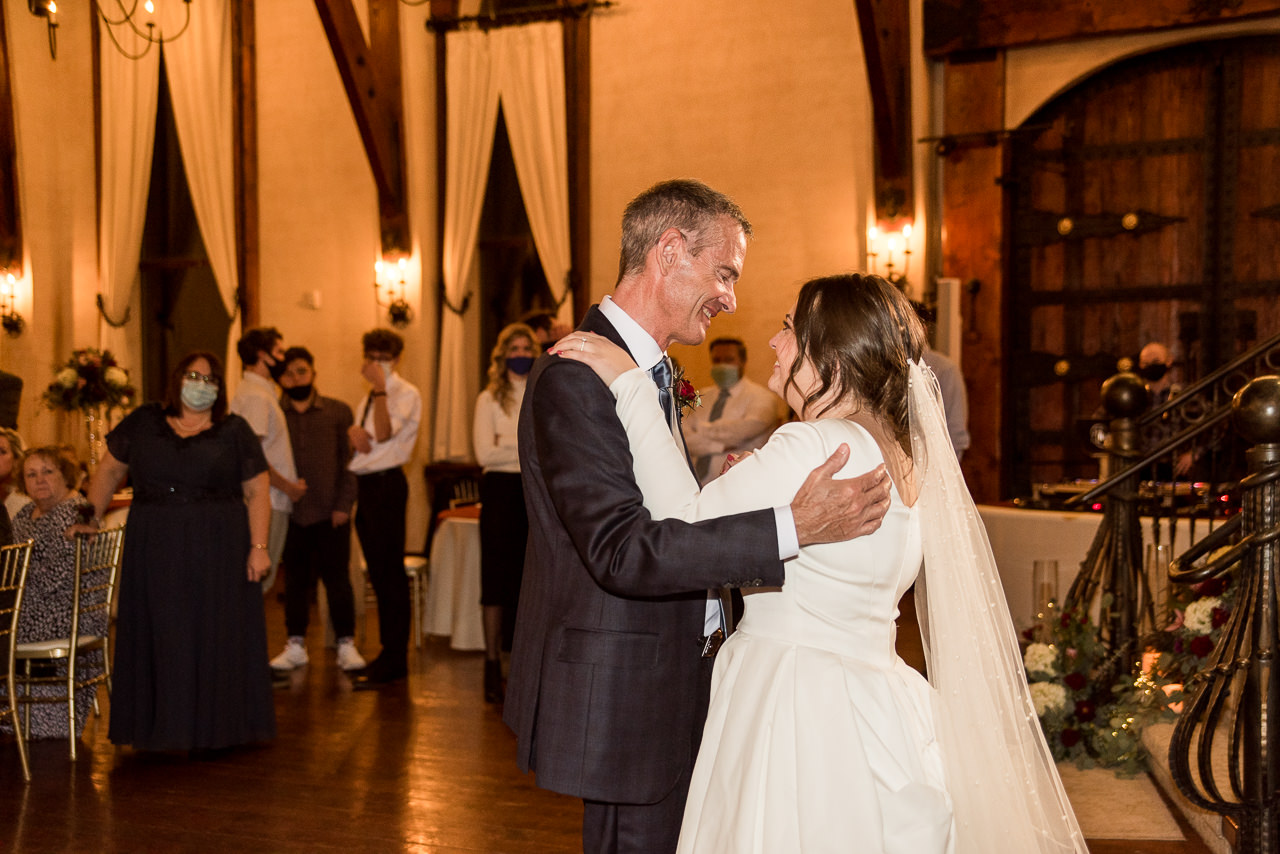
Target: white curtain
199,69
532,87
471,90
129,91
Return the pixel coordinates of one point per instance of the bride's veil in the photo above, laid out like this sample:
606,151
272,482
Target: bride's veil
1005,789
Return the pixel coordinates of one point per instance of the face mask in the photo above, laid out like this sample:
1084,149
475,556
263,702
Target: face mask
520,365
1154,372
198,396
724,375
386,369
300,392
277,370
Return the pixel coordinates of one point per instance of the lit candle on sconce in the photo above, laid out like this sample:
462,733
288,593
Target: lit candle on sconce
53,14
10,320
873,235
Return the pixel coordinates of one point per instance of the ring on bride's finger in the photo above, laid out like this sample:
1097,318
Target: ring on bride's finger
583,344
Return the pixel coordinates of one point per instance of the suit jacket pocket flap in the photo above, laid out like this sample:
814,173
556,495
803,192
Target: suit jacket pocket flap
633,650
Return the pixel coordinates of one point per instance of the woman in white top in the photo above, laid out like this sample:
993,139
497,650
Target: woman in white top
504,525
819,737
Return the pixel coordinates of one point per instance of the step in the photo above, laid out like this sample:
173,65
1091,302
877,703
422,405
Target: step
1208,824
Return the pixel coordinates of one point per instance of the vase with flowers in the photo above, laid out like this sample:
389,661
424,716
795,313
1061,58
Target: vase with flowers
90,384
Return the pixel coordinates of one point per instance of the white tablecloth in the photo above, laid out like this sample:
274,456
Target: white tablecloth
453,594
1020,537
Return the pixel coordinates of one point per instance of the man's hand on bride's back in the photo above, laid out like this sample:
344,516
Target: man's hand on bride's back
829,511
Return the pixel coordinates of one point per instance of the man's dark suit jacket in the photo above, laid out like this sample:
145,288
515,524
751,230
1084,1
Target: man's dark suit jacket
603,691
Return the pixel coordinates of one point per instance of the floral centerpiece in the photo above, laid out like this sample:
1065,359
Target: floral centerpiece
89,380
1197,615
1085,720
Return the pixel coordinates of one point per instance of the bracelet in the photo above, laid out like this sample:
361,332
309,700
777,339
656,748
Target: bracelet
260,545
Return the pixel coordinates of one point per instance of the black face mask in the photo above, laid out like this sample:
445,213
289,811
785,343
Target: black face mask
277,370
1153,372
520,365
300,392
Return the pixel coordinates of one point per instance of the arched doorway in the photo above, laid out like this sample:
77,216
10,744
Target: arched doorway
1144,205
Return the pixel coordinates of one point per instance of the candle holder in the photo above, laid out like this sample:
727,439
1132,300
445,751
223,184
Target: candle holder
399,312
895,242
10,320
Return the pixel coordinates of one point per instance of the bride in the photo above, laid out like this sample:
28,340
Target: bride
819,737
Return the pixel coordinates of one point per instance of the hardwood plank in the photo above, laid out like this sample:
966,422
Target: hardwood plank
426,766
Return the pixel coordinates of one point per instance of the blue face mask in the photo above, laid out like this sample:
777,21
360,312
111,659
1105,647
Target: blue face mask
197,395
724,375
520,365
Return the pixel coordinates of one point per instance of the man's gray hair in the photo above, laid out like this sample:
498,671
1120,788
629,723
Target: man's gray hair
682,203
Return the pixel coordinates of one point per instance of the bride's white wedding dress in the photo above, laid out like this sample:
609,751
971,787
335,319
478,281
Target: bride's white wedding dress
819,737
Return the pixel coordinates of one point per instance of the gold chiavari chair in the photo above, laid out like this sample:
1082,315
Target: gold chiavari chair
13,578
97,569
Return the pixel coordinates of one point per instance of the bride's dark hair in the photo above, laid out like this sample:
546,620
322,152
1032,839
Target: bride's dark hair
858,331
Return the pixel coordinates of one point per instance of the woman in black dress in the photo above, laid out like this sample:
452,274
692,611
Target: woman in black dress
191,648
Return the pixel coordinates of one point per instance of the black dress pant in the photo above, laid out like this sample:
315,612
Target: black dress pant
381,498
318,551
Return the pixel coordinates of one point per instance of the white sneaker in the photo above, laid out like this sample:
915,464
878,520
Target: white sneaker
293,657
349,658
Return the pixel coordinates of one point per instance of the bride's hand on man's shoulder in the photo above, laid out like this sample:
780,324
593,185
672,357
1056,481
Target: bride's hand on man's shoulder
731,460
598,353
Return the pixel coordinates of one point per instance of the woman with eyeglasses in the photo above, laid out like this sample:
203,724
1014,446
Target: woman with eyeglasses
191,648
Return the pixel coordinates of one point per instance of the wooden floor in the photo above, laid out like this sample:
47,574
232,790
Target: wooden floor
424,766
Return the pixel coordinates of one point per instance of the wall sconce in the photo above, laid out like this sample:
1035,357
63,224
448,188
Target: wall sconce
10,320
388,285
48,10
894,242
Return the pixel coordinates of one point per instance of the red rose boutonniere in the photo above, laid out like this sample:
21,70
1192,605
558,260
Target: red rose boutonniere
684,392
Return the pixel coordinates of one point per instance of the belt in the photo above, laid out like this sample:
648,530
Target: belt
711,643
374,475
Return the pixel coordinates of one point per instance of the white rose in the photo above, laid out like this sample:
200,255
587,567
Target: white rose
1198,618
115,377
67,378
1041,658
1047,695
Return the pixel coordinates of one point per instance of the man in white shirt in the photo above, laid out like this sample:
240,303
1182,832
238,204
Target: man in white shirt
257,401
383,437
737,415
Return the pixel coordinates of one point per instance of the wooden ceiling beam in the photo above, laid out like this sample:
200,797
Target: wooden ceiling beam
371,77
885,29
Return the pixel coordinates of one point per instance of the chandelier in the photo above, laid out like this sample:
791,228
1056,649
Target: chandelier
126,23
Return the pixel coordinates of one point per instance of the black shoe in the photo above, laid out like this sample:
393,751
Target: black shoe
377,677
493,690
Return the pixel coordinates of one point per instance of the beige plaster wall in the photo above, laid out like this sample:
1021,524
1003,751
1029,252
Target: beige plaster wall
770,108
54,124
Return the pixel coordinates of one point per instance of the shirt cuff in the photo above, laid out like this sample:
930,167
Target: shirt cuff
788,541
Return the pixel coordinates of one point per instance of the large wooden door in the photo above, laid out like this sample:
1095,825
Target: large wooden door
1145,206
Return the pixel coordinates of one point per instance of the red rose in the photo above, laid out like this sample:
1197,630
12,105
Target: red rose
1075,681
1065,620
1085,710
686,389
1212,587
1070,737
1219,617
1201,646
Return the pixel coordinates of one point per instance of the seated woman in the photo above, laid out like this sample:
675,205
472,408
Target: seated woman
48,475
